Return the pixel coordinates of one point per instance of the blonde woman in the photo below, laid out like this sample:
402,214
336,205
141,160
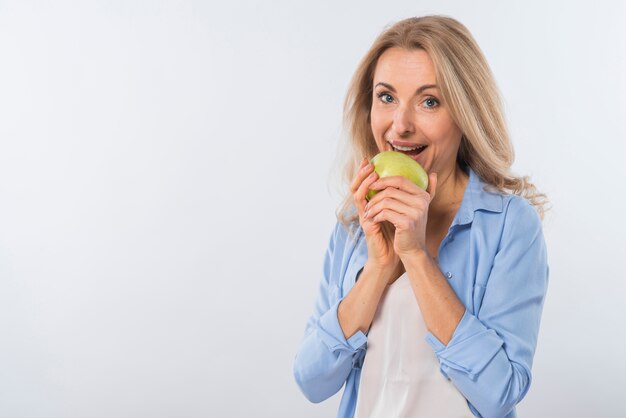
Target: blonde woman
430,301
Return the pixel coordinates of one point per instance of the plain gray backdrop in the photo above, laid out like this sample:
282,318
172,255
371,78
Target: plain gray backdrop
167,195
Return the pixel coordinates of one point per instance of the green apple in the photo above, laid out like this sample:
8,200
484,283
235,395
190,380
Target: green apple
394,163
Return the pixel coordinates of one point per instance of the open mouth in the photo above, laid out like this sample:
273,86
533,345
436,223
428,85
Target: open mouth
410,151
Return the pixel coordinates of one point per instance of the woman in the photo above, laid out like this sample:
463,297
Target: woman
431,300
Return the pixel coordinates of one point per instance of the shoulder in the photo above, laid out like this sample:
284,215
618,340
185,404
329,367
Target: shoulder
345,251
347,230
506,218
518,210
345,236
521,221
497,205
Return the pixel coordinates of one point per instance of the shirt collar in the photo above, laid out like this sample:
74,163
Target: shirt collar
477,198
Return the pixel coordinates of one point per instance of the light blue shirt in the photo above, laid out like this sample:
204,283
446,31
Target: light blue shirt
494,257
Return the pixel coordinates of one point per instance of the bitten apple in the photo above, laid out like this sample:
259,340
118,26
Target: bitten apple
394,163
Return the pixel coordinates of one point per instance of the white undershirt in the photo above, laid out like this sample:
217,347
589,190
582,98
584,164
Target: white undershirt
400,375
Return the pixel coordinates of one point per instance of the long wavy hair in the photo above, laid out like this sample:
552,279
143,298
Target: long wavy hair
470,92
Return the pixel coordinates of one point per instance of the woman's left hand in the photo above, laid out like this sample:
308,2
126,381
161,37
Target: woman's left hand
405,205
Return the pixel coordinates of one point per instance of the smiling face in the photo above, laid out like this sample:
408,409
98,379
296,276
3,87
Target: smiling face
408,110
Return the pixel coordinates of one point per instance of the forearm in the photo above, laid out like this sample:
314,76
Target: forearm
491,379
440,307
323,363
356,311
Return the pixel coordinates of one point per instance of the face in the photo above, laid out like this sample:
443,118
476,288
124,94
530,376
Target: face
408,110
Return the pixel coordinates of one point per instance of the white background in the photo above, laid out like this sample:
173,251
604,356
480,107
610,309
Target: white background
167,194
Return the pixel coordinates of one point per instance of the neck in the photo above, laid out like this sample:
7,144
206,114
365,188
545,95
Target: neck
451,185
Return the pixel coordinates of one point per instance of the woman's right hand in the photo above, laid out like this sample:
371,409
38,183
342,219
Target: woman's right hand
380,254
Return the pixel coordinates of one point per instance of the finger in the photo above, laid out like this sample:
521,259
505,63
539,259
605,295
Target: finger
392,204
410,200
359,196
361,174
400,221
357,193
398,182
432,185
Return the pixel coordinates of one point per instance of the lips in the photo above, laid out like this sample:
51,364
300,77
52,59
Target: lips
413,153
401,147
404,144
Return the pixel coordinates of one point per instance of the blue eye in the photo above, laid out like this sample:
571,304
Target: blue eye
431,102
381,95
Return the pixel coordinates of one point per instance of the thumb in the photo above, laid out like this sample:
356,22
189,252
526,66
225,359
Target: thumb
432,185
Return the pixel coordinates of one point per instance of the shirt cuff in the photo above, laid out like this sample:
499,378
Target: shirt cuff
471,348
332,335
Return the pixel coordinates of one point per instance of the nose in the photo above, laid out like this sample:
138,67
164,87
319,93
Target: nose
403,122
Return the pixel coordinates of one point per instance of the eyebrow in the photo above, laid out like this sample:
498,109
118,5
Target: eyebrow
418,91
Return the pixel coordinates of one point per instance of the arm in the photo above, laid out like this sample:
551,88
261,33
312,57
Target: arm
356,311
325,357
489,357
440,306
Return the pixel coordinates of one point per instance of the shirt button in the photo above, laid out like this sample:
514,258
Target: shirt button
449,275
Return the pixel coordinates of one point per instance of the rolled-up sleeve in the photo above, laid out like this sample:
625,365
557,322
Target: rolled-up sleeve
325,358
489,357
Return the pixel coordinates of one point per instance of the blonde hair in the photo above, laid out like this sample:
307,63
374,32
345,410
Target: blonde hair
472,98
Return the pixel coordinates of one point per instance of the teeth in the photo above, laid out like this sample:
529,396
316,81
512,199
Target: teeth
399,148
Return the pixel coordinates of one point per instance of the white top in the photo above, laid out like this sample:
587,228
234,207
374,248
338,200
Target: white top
400,375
